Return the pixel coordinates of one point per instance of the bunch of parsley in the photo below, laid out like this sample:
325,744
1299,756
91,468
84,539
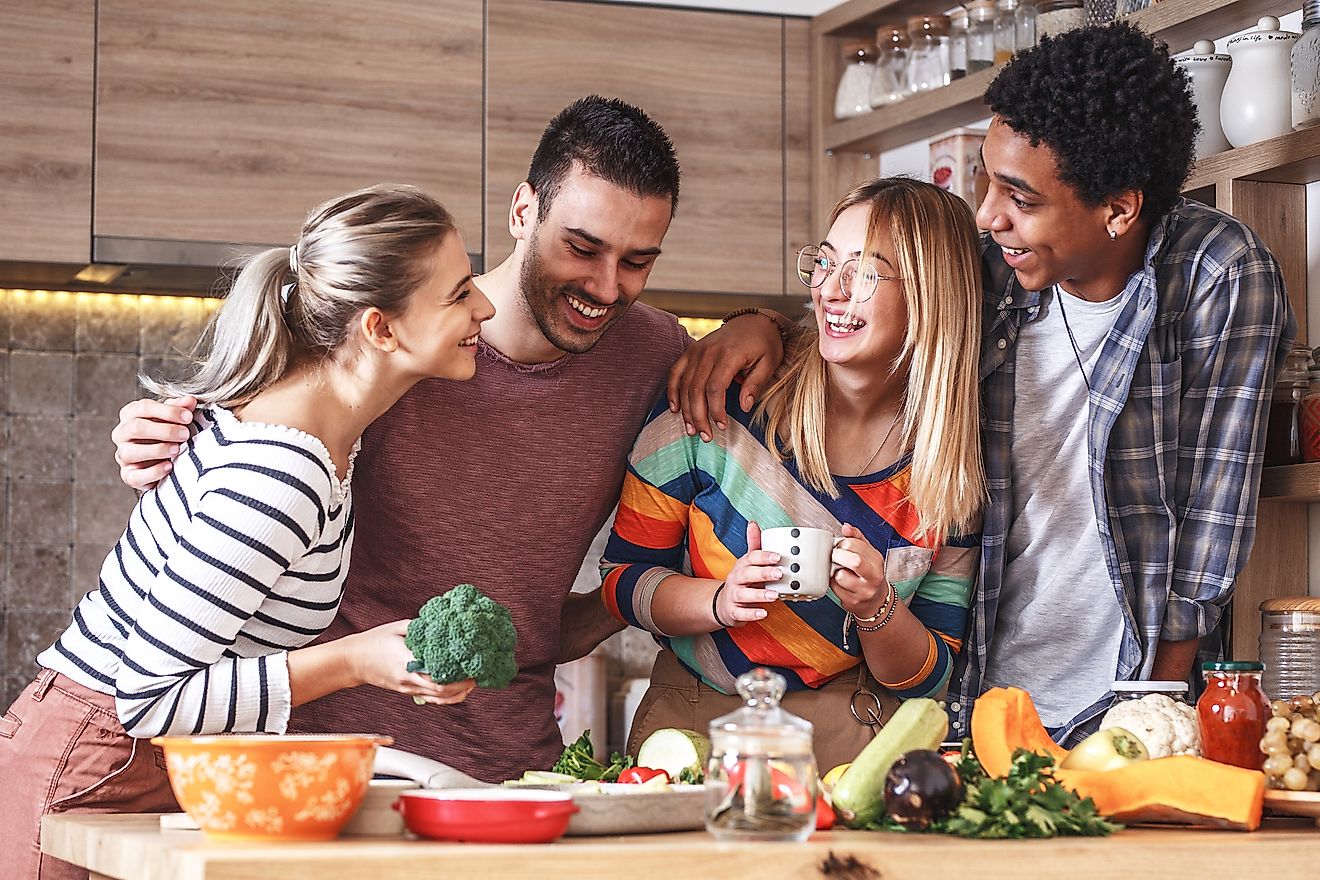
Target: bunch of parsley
1027,802
579,759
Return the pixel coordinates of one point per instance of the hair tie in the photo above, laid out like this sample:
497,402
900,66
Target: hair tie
293,258
284,294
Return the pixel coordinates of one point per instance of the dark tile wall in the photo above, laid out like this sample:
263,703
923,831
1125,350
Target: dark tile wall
69,362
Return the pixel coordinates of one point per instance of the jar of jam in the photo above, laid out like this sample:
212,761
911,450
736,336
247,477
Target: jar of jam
1232,711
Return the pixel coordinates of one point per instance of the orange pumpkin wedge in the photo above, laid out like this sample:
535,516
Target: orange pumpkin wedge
1180,790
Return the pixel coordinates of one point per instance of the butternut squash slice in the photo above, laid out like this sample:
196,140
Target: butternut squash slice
1181,790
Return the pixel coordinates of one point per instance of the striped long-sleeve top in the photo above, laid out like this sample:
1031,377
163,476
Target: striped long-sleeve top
685,508
238,556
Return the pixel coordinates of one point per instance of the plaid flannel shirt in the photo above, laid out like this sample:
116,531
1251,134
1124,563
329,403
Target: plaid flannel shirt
1178,406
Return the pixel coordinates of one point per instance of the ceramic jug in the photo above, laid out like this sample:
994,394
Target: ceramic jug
1256,104
1207,71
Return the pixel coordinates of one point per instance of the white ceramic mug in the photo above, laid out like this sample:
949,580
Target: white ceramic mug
804,557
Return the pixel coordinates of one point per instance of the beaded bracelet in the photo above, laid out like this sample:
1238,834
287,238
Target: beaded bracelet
714,606
889,613
753,310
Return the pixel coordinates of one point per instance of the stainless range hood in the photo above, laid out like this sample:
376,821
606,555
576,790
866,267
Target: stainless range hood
145,265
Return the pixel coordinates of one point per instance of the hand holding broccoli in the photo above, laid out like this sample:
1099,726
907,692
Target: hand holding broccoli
379,657
463,634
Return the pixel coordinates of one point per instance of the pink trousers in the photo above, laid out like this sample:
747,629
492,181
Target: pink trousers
62,749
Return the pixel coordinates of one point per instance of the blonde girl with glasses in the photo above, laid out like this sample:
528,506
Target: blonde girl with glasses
870,432
236,560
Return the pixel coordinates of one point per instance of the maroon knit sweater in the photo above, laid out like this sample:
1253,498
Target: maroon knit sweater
501,481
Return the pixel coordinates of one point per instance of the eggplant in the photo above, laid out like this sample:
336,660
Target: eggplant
920,788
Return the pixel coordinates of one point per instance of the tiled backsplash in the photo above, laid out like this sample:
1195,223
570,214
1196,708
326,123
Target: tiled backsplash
70,361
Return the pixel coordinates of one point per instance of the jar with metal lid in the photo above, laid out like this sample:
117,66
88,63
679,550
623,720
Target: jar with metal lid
928,59
980,35
1306,69
1283,432
1053,17
1290,646
1232,711
958,43
853,96
1135,690
761,776
889,80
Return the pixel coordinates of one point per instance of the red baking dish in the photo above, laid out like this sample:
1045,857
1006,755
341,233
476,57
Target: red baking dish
487,815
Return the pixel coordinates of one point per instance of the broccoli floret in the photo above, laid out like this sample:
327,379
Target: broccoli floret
463,634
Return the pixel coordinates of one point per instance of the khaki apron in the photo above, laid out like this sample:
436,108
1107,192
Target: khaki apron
676,698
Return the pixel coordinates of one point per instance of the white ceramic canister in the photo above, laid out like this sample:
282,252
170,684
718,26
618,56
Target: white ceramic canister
1207,71
1257,104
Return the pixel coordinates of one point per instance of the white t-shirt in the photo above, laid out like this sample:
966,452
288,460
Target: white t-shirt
1059,624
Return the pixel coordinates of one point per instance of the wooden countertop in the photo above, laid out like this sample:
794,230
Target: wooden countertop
133,847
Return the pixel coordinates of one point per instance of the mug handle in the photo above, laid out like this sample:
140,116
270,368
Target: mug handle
834,569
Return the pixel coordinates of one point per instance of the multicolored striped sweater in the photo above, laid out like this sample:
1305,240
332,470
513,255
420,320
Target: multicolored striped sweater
685,498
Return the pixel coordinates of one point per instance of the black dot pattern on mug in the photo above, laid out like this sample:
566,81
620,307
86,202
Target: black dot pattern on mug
795,568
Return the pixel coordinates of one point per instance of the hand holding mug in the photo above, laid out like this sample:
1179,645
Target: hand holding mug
859,577
744,589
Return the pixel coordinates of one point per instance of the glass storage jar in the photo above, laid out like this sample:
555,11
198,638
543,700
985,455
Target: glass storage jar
761,776
1135,690
928,58
1311,412
1053,17
1306,68
889,80
958,43
1283,433
1024,25
1005,29
980,35
853,96
1290,646
1232,712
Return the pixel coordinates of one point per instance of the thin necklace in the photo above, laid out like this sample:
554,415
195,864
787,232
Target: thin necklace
1058,297
883,441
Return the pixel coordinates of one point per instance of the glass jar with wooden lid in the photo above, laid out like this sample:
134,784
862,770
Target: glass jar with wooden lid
928,58
889,82
1290,646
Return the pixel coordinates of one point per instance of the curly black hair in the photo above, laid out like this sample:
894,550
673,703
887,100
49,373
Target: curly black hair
1113,108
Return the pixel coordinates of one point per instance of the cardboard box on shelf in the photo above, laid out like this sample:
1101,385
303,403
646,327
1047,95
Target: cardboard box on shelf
955,163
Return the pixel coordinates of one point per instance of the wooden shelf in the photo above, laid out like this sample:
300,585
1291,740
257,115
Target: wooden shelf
1289,158
1298,483
1179,23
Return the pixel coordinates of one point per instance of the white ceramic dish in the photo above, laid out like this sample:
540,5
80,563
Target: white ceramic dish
614,808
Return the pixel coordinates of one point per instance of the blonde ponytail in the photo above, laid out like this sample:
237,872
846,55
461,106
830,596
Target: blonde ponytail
369,248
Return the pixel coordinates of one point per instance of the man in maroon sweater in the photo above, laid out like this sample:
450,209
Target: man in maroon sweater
504,480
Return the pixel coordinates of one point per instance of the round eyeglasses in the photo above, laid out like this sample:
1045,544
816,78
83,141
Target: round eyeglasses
858,279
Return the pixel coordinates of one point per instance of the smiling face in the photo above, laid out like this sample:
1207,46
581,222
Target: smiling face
588,259
437,330
1048,235
872,333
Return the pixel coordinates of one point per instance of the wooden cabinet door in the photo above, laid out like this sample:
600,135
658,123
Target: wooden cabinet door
46,87
231,121
713,80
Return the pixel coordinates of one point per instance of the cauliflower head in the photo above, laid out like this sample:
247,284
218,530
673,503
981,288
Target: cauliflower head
463,634
1164,725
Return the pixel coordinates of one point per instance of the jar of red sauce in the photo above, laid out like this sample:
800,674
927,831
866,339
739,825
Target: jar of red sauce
1232,711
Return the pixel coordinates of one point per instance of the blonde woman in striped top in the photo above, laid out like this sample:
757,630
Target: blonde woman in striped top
236,560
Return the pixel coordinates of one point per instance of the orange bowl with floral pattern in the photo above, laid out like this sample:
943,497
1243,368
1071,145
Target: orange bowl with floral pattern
268,787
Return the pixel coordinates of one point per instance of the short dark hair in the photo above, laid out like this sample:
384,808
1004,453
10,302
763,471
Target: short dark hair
1113,108
611,139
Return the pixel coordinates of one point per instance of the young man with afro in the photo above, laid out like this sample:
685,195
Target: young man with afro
1130,344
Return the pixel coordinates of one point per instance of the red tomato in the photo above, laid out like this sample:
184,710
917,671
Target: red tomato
638,775
824,814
